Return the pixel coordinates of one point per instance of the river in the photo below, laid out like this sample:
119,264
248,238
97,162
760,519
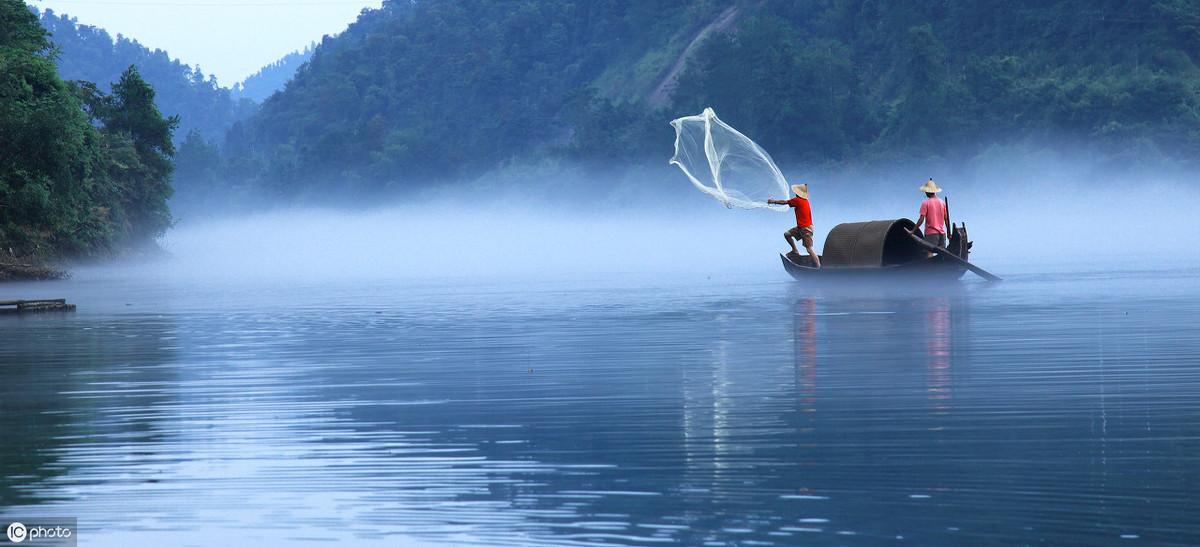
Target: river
1060,406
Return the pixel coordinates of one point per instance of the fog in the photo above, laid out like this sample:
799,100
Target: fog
557,223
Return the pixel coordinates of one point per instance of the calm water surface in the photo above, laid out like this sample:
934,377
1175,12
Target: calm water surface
1058,408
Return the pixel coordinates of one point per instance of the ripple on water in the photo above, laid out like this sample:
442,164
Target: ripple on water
1037,410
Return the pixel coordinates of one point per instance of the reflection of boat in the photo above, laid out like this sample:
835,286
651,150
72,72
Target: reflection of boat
884,248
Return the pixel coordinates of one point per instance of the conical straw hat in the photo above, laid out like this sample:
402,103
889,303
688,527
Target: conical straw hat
930,186
800,190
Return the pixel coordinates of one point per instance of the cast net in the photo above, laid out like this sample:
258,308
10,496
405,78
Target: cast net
725,164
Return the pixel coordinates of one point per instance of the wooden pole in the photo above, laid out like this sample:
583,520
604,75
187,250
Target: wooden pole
949,225
946,253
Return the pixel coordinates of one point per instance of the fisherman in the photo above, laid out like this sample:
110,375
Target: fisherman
804,226
933,216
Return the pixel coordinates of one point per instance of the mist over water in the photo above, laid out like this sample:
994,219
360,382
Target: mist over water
506,229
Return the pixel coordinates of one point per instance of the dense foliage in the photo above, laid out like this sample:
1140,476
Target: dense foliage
90,54
839,78
273,77
437,88
81,172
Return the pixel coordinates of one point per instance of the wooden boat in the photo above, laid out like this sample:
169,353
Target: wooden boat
885,248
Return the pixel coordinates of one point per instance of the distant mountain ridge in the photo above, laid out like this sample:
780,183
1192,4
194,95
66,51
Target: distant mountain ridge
89,53
273,77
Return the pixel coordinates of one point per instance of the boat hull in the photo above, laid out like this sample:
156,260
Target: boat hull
935,268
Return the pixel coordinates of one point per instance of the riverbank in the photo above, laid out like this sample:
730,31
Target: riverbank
28,270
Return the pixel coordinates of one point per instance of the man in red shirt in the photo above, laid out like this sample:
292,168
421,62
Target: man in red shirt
933,215
804,226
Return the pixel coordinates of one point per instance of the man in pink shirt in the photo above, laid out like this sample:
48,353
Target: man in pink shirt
933,216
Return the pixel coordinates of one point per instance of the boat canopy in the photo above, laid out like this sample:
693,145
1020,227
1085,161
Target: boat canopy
872,244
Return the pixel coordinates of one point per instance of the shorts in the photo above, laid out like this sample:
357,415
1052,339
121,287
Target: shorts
936,239
804,235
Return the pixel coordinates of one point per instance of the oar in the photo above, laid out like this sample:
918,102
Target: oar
946,253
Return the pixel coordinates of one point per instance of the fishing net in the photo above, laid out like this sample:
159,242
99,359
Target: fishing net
725,164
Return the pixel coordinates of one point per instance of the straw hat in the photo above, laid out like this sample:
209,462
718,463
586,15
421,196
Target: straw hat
930,186
800,190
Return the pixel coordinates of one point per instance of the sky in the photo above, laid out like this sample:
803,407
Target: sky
229,38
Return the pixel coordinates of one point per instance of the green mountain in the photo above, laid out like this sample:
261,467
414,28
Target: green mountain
415,91
418,92
82,173
90,54
838,79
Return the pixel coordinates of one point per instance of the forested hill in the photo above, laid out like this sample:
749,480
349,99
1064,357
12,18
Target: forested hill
90,54
418,91
82,172
273,77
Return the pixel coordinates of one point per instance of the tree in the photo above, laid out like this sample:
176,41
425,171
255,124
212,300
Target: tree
134,121
87,53
48,150
81,173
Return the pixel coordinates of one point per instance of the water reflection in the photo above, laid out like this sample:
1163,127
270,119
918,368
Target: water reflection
938,343
805,337
932,326
774,414
57,398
